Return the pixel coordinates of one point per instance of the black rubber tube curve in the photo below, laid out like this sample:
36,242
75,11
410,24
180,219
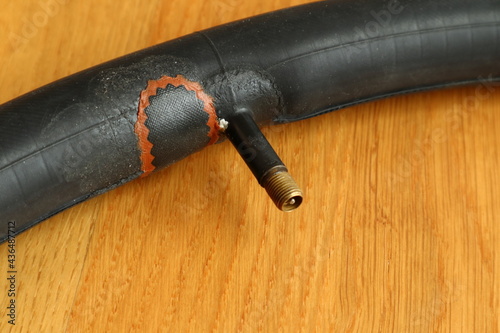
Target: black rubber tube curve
84,135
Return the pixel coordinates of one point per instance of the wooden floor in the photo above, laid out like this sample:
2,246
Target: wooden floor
399,231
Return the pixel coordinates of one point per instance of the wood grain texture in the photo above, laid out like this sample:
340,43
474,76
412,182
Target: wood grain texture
398,231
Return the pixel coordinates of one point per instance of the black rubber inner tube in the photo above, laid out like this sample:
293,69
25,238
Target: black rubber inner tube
97,129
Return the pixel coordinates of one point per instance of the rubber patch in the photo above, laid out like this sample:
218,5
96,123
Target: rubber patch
142,131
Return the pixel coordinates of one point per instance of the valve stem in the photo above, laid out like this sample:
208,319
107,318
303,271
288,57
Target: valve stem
284,191
265,164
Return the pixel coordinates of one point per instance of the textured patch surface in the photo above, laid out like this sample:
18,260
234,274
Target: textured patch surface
175,118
